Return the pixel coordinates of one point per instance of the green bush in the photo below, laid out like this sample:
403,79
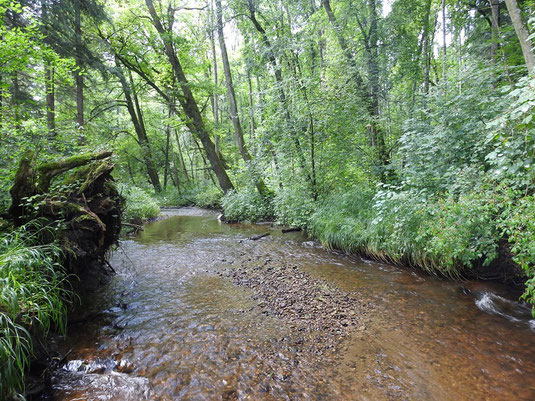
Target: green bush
207,196
246,205
517,222
441,236
521,229
342,220
140,206
170,197
33,295
461,231
293,206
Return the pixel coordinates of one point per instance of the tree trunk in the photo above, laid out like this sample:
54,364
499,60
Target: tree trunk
444,46
132,105
252,125
359,82
187,101
78,74
426,46
370,93
280,86
238,131
215,96
495,26
90,212
50,99
522,33
181,157
167,141
373,72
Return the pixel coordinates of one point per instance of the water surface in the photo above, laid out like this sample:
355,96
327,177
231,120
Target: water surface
169,327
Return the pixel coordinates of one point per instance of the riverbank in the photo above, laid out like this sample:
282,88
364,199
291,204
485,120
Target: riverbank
463,236
64,216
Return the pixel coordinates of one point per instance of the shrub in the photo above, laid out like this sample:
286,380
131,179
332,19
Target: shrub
139,206
207,196
341,221
246,205
406,226
517,222
169,197
461,232
293,206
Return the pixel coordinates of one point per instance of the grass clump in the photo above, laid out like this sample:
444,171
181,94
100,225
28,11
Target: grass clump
33,299
246,205
293,206
440,235
139,205
206,195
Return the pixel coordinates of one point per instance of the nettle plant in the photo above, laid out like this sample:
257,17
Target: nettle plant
511,162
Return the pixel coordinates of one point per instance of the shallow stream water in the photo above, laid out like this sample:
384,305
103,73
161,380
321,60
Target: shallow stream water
171,326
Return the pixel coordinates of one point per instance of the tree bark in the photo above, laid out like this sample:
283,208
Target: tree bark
252,125
359,81
238,130
522,34
444,46
78,74
282,95
50,99
187,101
181,157
369,93
215,96
167,142
495,26
132,104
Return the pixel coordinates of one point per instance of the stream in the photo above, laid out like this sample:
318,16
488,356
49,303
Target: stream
198,311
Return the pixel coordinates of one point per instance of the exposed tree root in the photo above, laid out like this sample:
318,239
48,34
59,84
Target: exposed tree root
79,194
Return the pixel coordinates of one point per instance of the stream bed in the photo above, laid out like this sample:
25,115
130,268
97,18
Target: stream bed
197,311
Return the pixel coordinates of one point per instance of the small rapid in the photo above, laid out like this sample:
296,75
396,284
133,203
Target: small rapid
199,312
511,310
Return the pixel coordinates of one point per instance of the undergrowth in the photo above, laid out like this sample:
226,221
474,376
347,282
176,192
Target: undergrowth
139,205
33,299
246,205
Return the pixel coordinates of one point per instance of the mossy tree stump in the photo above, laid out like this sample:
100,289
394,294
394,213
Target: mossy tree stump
77,193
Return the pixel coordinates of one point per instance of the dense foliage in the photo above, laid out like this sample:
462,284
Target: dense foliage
140,206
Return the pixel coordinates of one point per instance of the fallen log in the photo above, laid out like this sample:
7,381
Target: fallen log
291,230
257,237
137,227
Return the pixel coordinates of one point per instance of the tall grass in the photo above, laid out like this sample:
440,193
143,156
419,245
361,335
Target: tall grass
33,298
442,236
246,205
